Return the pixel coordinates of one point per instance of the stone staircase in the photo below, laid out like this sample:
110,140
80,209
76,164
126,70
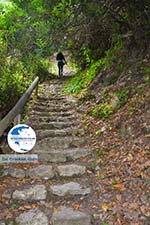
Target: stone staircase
60,181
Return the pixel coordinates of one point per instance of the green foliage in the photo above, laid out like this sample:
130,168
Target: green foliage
123,96
15,205
42,69
23,42
111,55
82,78
140,90
106,108
146,71
147,79
102,110
101,152
12,86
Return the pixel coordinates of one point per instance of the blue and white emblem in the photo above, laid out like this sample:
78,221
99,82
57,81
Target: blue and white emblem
21,138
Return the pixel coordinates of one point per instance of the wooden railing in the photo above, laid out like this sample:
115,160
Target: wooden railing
15,113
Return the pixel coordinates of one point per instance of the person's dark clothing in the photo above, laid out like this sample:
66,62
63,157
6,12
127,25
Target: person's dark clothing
61,61
60,56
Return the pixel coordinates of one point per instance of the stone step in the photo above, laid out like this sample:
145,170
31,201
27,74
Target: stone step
62,156
51,98
54,118
68,216
32,217
59,143
46,171
56,100
61,216
58,133
34,193
54,108
71,170
54,95
53,103
53,125
51,114
69,189
42,192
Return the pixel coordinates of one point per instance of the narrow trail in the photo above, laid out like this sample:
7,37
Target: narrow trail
58,190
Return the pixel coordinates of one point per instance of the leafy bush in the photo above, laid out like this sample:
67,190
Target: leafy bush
13,84
42,70
82,79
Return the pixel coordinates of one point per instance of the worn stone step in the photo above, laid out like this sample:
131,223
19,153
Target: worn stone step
54,125
71,170
50,114
48,119
58,133
54,103
62,156
69,189
59,143
42,171
68,216
51,104
54,108
61,216
32,217
51,98
48,171
41,192
54,95
57,100
34,193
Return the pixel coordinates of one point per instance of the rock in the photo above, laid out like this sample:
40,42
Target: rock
3,173
81,109
146,129
44,171
114,102
2,223
7,194
11,223
71,170
67,216
17,173
71,188
37,192
97,168
32,217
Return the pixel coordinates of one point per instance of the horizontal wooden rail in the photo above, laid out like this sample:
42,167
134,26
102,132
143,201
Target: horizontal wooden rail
18,108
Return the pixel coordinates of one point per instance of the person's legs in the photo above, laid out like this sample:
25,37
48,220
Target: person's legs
60,69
